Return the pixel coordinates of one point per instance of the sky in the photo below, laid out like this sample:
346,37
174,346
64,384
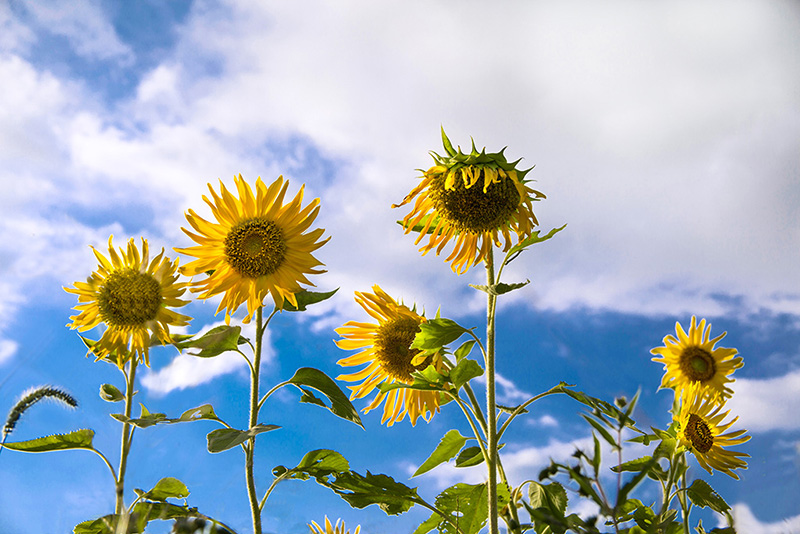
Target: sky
665,134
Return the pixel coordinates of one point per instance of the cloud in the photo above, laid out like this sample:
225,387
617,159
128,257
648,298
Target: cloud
761,404
186,371
7,349
746,521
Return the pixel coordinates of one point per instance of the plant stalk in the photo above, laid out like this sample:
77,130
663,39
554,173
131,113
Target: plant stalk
250,450
127,437
491,402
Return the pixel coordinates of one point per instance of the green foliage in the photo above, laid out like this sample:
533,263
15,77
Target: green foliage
306,298
448,447
110,393
78,439
464,508
436,333
465,371
164,489
532,239
702,494
223,439
340,405
143,513
214,342
499,288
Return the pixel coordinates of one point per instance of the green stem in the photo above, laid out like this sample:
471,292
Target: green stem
255,509
491,403
127,436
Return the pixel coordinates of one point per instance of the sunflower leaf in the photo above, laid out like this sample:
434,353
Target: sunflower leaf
78,439
462,351
465,371
469,504
532,239
223,439
437,333
167,487
448,146
316,379
702,494
360,491
144,512
110,393
447,448
214,342
306,298
499,289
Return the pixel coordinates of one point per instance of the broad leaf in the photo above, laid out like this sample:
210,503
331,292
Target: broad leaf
500,288
552,496
447,448
437,333
79,439
223,439
306,298
702,494
166,488
214,342
339,403
530,240
467,506
462,351
110,393
145,512
465,371
361,491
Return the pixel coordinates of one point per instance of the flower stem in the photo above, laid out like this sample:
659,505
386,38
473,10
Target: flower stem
255,508
127,437
491,403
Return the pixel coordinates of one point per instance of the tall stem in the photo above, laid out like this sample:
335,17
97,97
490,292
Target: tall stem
127,437
491,404
250,450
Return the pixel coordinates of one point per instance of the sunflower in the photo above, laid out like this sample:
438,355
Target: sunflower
132,296
691,359
257,246
473,199
700,429
339,528
389,357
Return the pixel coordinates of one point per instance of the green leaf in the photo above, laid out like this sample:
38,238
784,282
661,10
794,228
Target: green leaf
437,333
429,524
223,439
603,432
448,146
214,342
464,350
622,496
666,448
531,240
447,448
467,506
314,378
702,494
469,456
145,512
499,289
206,411
597,455
361,491
110,393
78,439
634,465
465,371
551,496
166,488
306,298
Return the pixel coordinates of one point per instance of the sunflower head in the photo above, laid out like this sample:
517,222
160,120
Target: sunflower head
473,198
690,360
339,528
132,296
387,353
702,431
257,245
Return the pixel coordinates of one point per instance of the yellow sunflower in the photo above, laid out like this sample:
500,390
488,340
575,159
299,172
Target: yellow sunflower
256,246
473,199
691,359
389,358
339,528
132,296
700,429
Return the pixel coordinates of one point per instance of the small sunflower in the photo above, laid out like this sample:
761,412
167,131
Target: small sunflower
339,528
256,247
700,429
132,296
473,199
691,359
389,357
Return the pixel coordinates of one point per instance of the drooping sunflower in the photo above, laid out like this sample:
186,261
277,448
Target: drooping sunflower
701,430
389,358
132,296
257,246
339,528
691,359
473,199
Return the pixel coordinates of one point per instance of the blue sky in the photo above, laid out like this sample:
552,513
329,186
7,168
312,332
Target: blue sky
664,134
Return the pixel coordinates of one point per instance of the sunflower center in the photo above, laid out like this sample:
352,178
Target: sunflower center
255,247
697,364
469,209
698,432
129,298
392,343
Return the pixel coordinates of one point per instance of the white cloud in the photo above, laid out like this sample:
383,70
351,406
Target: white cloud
7,349
767,404
186,371
746,521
